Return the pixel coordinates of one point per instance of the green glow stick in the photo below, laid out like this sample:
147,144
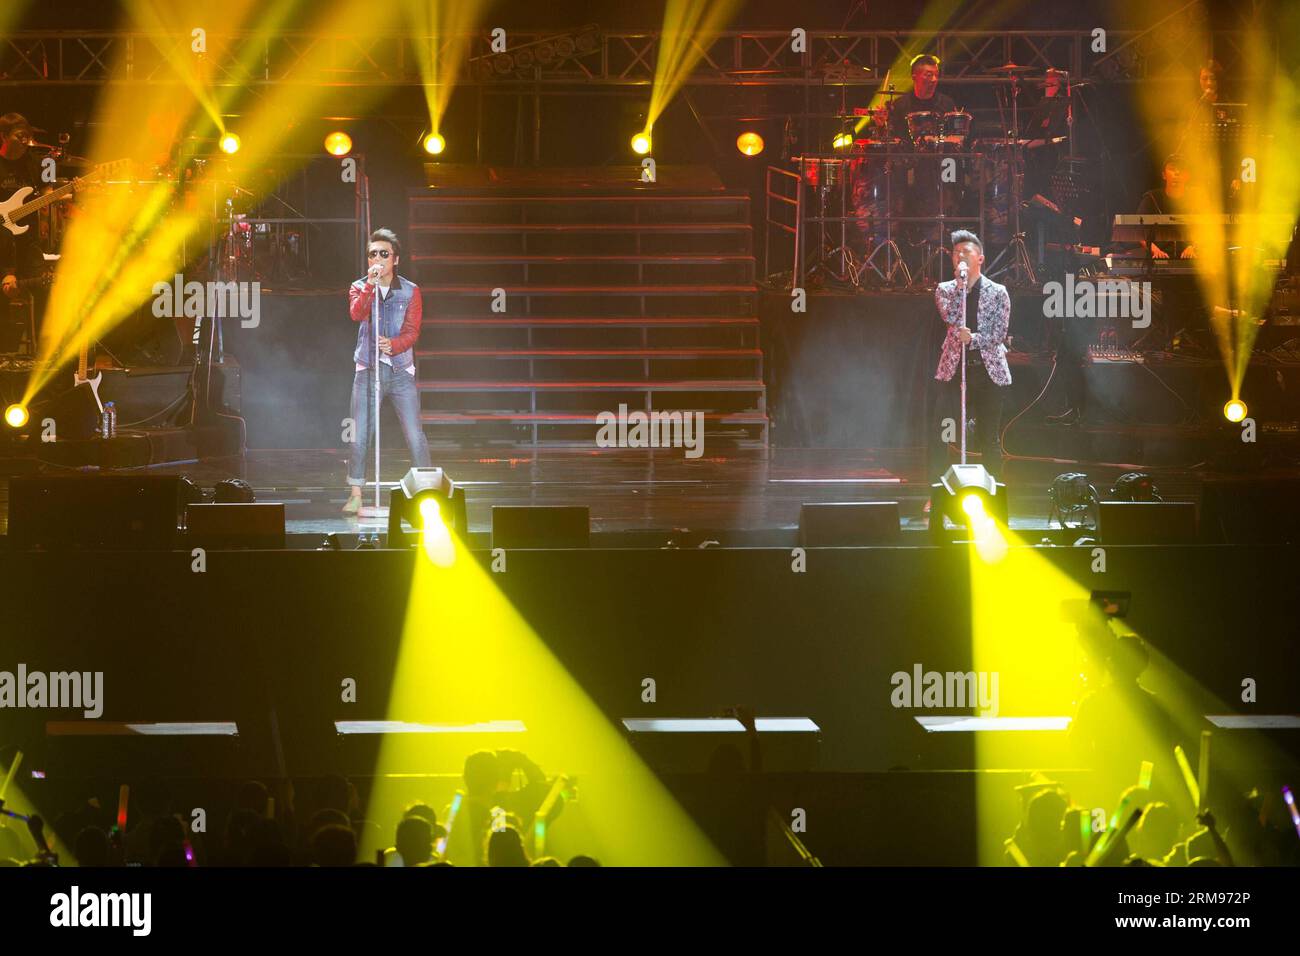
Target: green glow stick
1192,789
1203,774
13,769
1144,774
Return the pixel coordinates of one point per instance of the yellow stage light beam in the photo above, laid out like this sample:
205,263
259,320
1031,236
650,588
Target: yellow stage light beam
171,25
14,800
1230,261
641,143
441,41
467,656
11,13
16,416
127,240
933,19
689,27
434,144
1019,633
1047,666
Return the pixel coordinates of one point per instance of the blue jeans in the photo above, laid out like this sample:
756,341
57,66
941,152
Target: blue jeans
399,388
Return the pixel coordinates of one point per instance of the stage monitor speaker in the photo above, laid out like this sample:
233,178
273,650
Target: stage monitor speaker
540,526
232,525
75,414
848,524
1251,511
109,512
1147,522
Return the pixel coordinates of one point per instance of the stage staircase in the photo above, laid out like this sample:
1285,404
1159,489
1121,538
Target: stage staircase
608,292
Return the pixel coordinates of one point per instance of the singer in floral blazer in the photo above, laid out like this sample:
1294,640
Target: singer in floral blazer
989,326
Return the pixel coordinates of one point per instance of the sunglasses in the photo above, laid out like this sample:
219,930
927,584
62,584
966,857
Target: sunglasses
382,253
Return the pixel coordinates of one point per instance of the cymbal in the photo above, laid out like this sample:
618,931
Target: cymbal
842,69
1012,68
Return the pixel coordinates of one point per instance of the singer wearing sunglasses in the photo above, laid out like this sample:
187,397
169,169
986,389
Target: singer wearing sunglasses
400,312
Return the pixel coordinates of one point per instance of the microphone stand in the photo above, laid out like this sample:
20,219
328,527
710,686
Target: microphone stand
961,288
376,510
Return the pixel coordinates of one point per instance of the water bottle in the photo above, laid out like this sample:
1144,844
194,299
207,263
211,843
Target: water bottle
110,412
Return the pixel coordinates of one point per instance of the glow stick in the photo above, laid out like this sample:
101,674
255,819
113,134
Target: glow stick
123,794
1203,771
1289,797
1101,846
451,821
1144,774
1192,789
13,769
546,811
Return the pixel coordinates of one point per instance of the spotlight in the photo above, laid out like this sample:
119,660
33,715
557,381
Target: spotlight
434,144
16,416
749,143
230,491
429,501
1235,410
338,143
1073,497
641,143
1135,486
842,141
229,143
967,496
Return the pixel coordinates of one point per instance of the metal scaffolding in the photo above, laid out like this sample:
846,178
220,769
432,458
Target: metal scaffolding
617,59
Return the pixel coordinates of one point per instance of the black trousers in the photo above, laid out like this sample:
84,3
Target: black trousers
984,401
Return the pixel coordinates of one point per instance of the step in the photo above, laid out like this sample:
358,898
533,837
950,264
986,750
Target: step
703,258
648,353
569,418
543,227
578,321
633,290
702,385
578,196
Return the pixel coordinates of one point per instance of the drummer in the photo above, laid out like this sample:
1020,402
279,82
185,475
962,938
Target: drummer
923,97
919,189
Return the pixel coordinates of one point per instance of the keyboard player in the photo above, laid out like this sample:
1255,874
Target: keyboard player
1178,196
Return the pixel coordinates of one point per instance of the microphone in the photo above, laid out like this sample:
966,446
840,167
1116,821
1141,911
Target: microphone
962,270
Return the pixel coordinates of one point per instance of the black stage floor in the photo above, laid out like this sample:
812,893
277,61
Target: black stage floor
737,492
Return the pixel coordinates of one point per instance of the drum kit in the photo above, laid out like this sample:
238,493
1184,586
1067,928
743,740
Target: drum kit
863,186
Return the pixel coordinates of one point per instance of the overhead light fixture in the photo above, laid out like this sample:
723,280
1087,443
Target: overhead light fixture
338,143
16,415
749,143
